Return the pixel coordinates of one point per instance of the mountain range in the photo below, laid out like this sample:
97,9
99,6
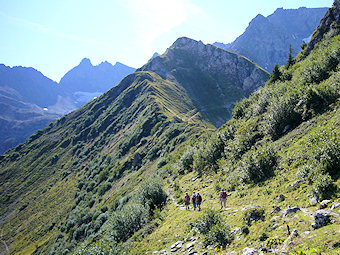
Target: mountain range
110,177
30,101
266,40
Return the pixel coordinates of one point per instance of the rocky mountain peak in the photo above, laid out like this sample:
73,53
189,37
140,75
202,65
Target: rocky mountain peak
186,43
85,62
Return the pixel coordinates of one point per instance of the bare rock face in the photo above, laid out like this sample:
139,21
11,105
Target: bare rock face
329,24
266,40
213,77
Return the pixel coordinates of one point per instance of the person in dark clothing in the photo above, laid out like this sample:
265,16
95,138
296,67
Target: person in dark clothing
198,201
187,201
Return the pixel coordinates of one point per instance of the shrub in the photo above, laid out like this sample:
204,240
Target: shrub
207,221
253,214
220,234
152,195
103,188
215,231
245,230
323,186
258,164
126,222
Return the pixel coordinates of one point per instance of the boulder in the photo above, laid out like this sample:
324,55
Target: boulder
289,211
324,203
335,205
294,184
322,218
280,198
249,251
314,199
275,209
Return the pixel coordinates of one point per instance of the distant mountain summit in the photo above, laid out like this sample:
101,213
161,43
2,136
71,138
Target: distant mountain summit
266,40
85,81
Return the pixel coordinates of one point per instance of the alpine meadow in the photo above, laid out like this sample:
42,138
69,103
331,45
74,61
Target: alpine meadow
110,177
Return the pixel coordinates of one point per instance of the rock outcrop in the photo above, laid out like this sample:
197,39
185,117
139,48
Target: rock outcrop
266,40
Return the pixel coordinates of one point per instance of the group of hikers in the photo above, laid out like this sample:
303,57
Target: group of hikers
197,200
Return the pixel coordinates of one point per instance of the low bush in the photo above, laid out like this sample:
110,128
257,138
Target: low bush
253,214
258,164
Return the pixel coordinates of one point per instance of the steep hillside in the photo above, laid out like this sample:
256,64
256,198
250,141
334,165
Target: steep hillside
213,78
279,160
266,40
61,186
24,93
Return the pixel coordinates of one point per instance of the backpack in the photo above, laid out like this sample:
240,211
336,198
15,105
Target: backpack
224,195
194,198
199,198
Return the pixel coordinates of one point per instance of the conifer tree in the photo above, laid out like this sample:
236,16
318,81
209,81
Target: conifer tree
304,45
276,74
290,60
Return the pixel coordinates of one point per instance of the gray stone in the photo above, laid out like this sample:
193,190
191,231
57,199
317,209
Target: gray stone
280,198
200,245
322,218
192,253
314,199
285,212
296,183
295,232
335,205
324,203
275,209
189,245
250,251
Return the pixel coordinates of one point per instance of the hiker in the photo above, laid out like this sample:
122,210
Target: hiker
193,198
198,201
187,200
223,198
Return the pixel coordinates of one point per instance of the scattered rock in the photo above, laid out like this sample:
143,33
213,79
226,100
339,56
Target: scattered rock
295,232
294,184
335,205
205,253
210,247
306,233
249,251
322,218
200,245
250,207
280,198
289,211
189,245
275,209
176,246
324,203
234,232
314,199
192,253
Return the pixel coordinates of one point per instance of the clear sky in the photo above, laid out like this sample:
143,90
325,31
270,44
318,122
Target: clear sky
54,35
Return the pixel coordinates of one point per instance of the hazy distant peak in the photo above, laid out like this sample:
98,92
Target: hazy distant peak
86,62
184,42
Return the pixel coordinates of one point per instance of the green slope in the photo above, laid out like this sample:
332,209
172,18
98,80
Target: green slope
94,181
55,185
287,131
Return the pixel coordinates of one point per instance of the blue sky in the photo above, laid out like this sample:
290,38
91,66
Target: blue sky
54,35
